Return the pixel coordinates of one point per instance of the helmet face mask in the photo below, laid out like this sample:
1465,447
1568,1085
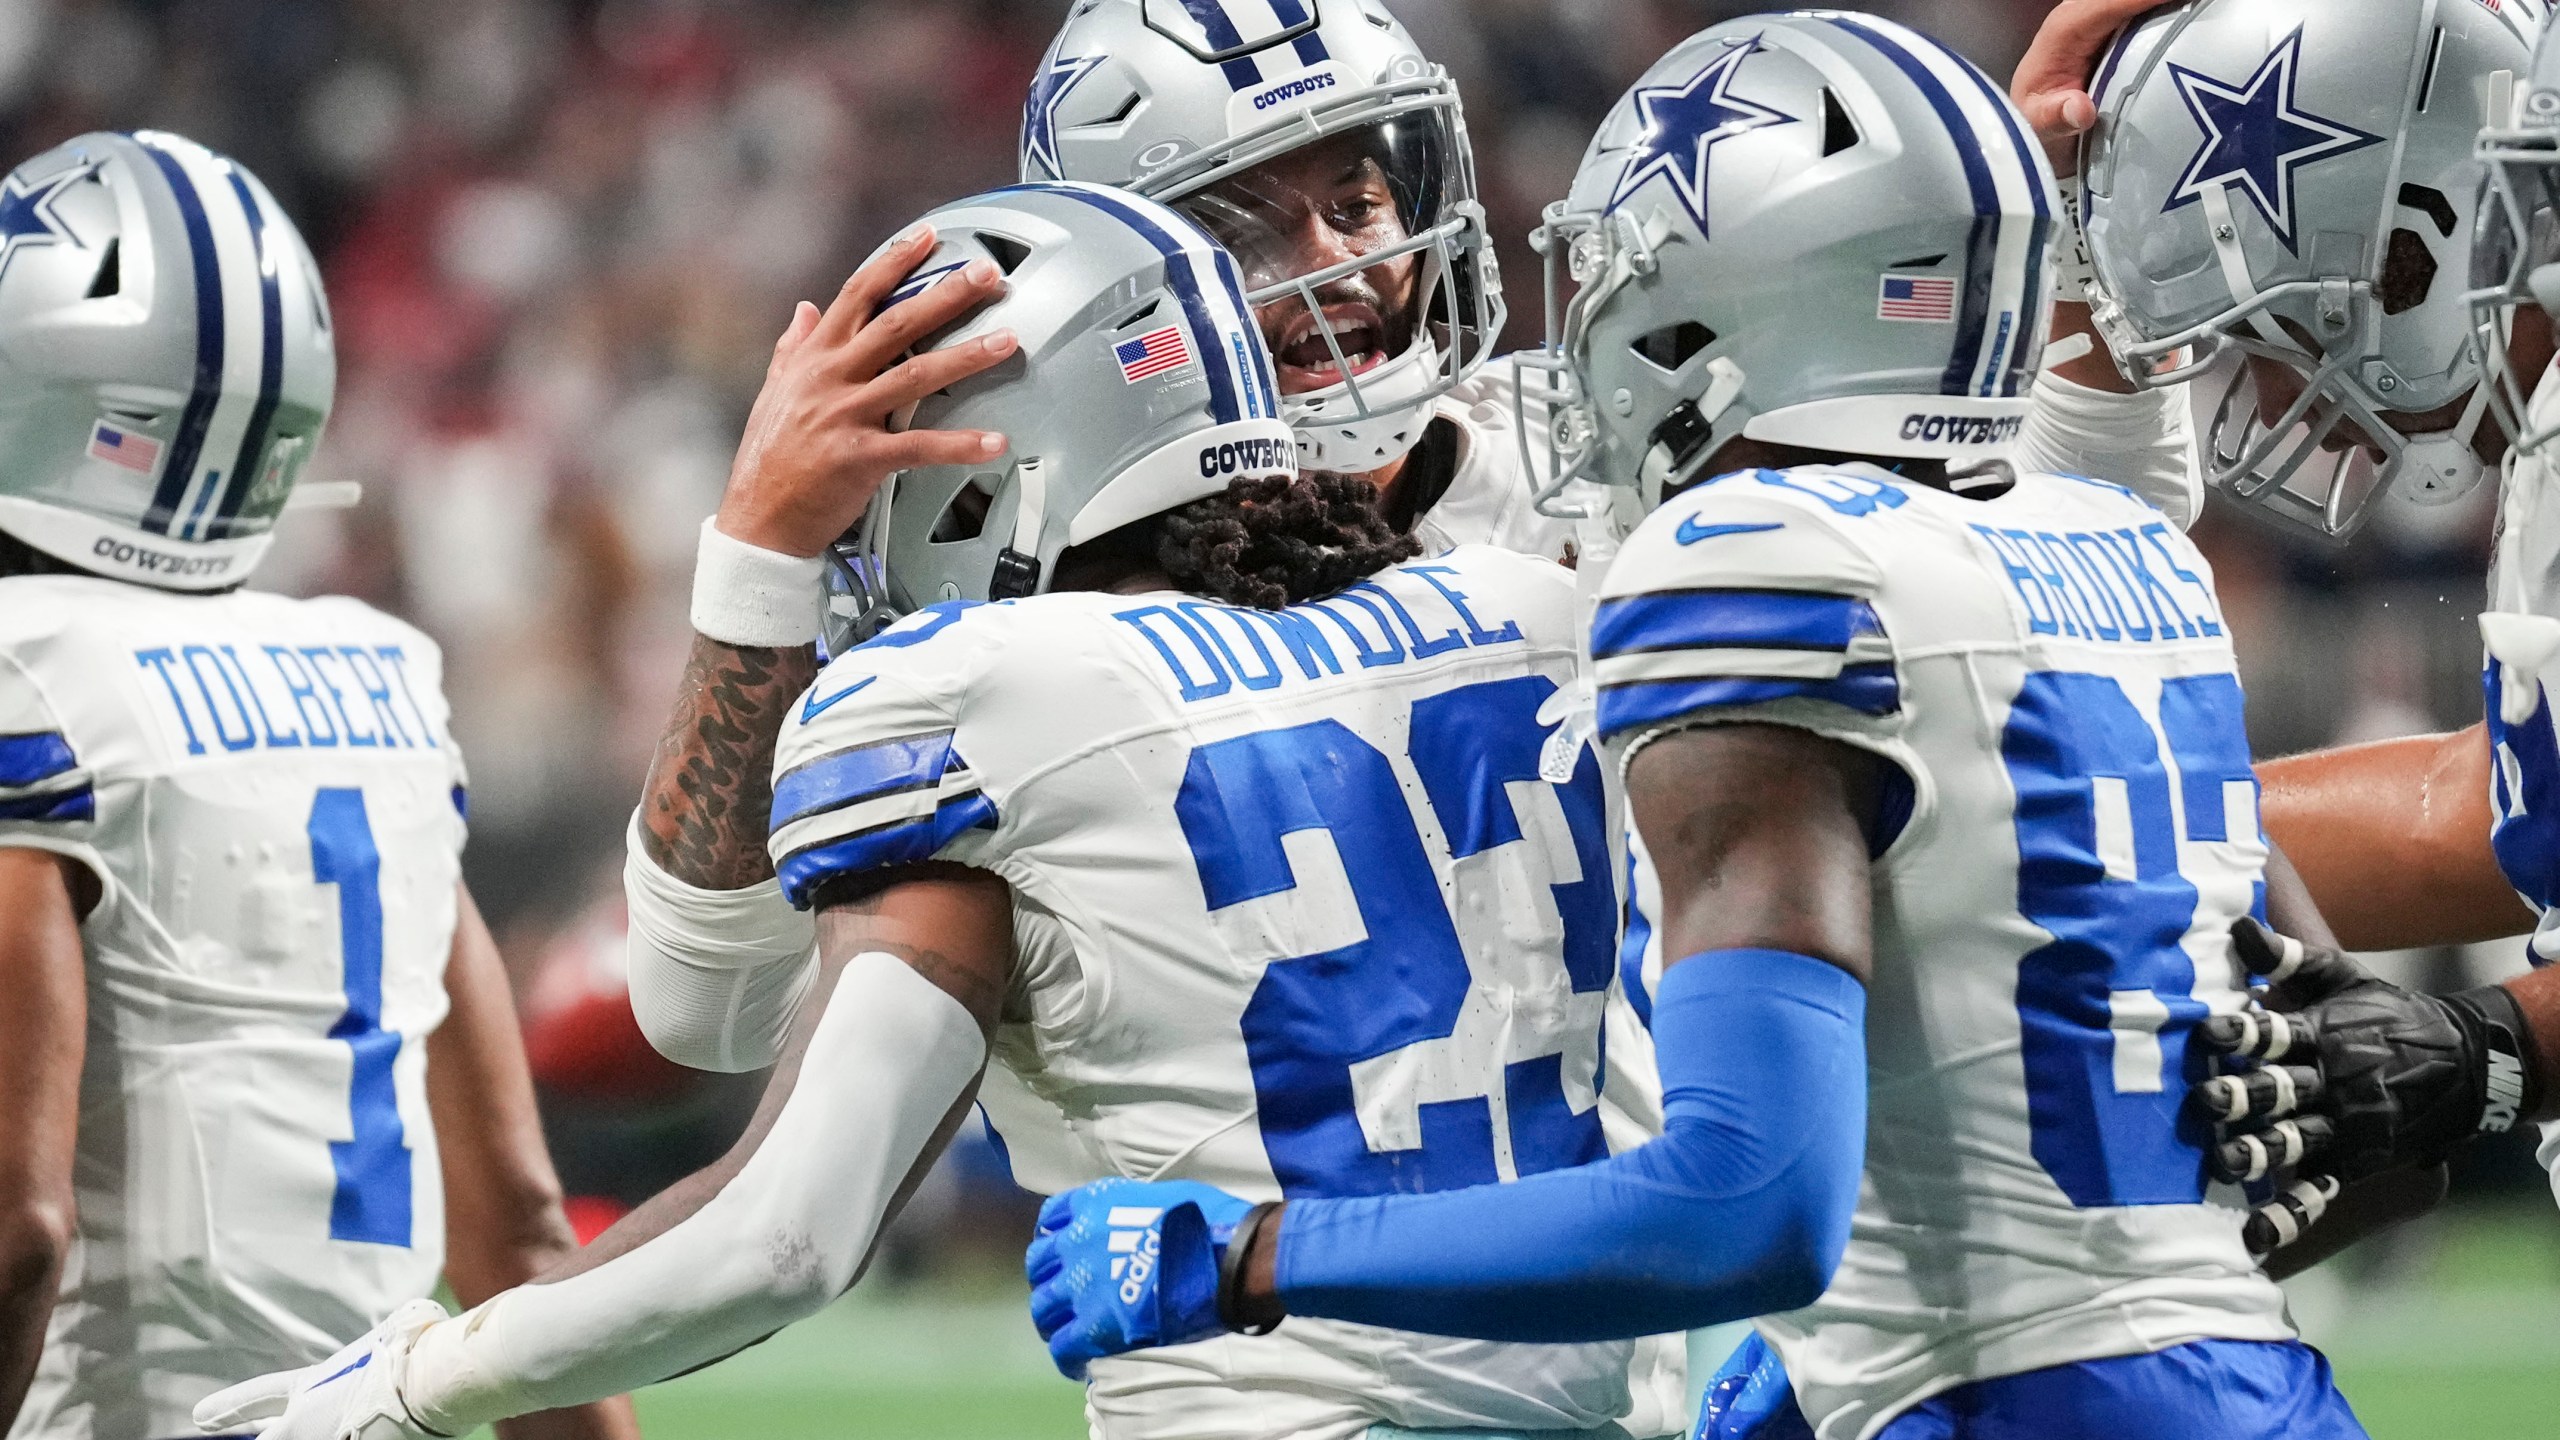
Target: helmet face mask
2291,182
1239,132
166,362
1141,385
2515,254
1820,230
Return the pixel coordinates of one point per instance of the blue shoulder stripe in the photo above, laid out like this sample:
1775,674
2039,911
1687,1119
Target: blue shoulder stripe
901,842
1867,689
32,756
79,803
1717,618
862,772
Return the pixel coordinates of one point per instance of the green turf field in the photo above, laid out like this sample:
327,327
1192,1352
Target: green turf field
2463,1342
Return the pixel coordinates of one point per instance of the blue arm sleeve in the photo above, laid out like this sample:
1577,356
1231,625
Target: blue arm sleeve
1741,1208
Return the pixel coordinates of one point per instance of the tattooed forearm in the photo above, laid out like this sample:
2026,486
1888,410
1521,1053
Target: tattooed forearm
710,791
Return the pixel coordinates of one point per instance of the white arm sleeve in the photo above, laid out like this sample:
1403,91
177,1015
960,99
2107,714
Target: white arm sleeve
716,975
2143,442
892,1053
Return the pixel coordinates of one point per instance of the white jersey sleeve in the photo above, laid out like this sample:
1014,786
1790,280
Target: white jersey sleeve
48,799
271,800
1753,606
867,773
2144,441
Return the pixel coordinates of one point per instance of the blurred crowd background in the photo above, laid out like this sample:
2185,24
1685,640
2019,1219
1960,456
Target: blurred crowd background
561,236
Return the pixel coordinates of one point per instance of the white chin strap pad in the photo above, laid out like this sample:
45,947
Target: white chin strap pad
1335,437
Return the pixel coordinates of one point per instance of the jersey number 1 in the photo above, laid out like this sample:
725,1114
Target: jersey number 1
372,1199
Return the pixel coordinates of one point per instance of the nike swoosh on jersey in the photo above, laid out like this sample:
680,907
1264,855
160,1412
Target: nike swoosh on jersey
812,707
1691,532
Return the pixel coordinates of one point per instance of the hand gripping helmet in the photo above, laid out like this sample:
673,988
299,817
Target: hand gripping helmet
165,360
2515,255
1315,141
1141,385
1819,229
2293,180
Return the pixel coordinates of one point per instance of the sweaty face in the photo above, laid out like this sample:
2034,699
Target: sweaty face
1319,206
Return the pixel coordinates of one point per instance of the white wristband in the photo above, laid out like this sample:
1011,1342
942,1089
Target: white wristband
747,595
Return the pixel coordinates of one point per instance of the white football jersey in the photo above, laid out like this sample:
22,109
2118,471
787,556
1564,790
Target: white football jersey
2522,670
1491,498
267,793
1296,915
2048,670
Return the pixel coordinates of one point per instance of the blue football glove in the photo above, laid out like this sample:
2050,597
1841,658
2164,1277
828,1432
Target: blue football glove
1123,1265
1751,1398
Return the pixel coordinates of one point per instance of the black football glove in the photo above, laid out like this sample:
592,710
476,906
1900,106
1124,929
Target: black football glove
2348,1076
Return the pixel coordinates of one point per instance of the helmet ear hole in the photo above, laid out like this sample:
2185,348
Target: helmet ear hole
964,515
1007,252
110,277
2431,203
1839,132
2408,273
1672,346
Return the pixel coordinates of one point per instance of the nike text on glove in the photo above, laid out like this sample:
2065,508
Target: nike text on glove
352,1395
1123,1265
2348,1076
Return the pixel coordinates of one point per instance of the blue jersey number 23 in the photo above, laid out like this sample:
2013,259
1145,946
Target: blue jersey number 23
1314,1019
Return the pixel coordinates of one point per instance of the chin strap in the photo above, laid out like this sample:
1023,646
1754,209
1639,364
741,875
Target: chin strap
1017,570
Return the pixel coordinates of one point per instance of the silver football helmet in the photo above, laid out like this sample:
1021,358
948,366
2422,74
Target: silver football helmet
1141,384
2515,253
1329,155
165,360
1819,229
2293,180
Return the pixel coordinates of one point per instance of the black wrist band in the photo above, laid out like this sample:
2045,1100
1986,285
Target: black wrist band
2511,1089
1231,1266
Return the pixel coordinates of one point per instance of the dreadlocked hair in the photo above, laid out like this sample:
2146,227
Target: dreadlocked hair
1280,540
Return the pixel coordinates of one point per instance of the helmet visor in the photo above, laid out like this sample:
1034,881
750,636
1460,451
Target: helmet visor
1342,249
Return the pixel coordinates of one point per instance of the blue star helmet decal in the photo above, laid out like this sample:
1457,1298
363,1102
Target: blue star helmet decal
1682,124
1040,110
2256,137
27,215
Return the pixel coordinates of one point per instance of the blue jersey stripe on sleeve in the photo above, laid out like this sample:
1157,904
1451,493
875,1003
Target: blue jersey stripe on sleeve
32,756
59,805
1867,689
904,842
1719,618
862,772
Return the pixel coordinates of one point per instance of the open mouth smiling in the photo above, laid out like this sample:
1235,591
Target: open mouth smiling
1305,361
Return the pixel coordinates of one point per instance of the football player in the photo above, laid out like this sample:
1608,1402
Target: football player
1318,142
2399,1080
1939,775
2237,138
263,1077
1226,838
2363,122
